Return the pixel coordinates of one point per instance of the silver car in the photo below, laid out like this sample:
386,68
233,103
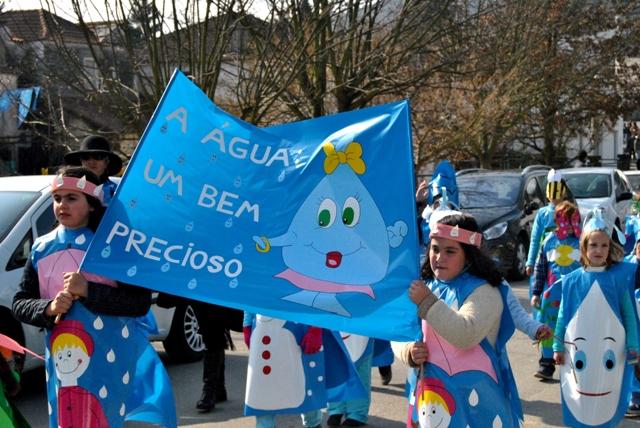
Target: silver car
600,186
26,214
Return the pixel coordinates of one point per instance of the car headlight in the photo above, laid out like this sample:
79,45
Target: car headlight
495,231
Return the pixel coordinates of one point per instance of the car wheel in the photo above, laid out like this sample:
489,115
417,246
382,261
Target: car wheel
519,260
184,342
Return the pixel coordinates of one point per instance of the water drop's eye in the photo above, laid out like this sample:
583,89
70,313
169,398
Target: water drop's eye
609,360
580,360
326,213
351,212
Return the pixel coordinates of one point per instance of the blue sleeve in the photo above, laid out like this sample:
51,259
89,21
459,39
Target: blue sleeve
558,339
540,273
536,234
247,319
630,322
522,320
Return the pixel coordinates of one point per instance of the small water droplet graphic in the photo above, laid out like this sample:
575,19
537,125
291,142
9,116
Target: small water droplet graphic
192,284
189,226
106,252
165,267
163,129
125,332
111,356
103,392
238,249
233,283
473,398
132,271
98,324
228,223
497,422
281,176
123,409
81,239
125,378
237,182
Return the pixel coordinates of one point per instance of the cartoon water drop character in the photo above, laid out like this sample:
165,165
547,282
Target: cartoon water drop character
337,241
592,374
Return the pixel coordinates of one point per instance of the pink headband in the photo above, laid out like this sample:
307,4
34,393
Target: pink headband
78,185
457,234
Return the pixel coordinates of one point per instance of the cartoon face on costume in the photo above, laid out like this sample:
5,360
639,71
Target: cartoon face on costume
71,362
340,235
591,378
433,415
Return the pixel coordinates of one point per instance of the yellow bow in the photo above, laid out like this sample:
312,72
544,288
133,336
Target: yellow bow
351,156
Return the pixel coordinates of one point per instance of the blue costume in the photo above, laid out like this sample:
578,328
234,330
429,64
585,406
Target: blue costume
282,379
558,257
361,352
598,323
119,375
542,224
470,387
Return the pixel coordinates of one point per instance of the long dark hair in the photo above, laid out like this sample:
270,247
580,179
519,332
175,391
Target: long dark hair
478,264
98,209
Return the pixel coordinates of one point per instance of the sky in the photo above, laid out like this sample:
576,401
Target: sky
95,10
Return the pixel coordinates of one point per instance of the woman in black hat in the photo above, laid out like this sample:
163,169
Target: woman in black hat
96,155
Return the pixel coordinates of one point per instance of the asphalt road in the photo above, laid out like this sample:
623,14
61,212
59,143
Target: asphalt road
540,400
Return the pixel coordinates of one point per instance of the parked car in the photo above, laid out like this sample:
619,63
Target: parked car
26,214
600,186
504,203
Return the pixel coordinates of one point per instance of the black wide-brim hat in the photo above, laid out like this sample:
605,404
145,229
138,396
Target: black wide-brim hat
95,144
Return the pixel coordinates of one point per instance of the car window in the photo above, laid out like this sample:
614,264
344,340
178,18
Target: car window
589,185
491,190
621,184
14,205
532,192
46,220
21,253
635,181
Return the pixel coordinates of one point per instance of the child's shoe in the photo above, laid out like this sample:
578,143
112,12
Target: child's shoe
546,370
634,405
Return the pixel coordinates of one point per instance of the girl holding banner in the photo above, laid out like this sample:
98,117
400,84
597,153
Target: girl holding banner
461,374
97,357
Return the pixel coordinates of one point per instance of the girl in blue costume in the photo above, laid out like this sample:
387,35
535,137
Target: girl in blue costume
560,255
293,368
51,284
461,374
596,330
544,222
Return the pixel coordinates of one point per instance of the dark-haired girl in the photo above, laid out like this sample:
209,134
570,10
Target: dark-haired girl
461,373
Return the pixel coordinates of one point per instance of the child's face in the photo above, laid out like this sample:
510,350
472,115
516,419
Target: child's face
446,258
71,208
637,250
598,248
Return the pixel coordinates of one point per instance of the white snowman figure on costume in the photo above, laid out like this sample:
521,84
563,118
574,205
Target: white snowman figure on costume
275,378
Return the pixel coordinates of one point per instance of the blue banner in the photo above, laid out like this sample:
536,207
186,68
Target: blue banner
312,221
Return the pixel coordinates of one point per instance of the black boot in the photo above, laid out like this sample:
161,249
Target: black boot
210,371
220,388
